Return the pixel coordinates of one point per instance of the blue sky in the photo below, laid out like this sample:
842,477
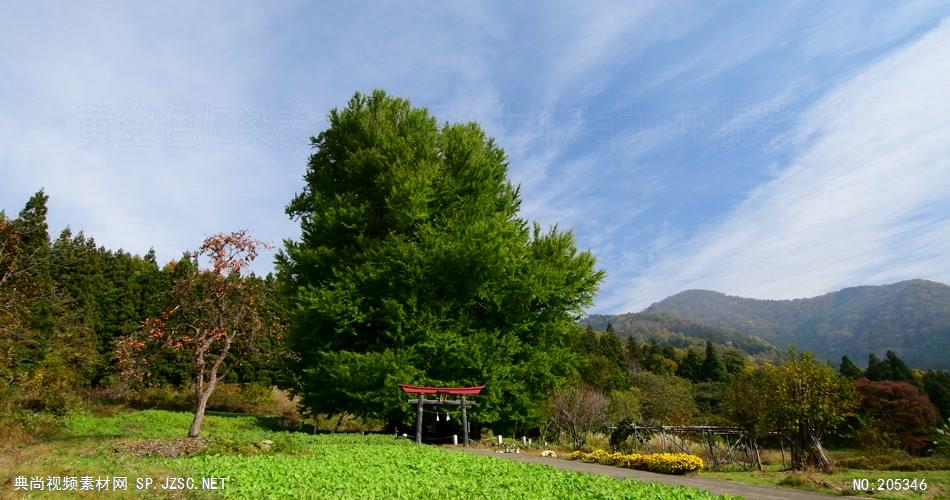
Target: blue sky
762,149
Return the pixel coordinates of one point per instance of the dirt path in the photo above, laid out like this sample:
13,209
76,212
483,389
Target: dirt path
717,486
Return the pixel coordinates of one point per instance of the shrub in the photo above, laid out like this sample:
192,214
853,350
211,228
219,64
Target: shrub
24,426
890,460
597,440
241,398
577,411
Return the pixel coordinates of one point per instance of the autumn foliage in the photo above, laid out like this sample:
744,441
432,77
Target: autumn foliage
899,410
218,317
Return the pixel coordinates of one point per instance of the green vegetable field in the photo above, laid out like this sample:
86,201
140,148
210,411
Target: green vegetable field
297,465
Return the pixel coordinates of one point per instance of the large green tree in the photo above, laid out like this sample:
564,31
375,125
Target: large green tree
413,266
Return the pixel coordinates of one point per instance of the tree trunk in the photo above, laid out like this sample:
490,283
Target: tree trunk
204,389
797,445
201,402
758,457
807,450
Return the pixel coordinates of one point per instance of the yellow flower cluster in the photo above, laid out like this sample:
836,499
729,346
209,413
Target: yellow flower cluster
663,463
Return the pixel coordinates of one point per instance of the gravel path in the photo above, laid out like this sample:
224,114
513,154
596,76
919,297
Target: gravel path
717,486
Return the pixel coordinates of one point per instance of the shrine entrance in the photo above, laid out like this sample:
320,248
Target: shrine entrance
442,394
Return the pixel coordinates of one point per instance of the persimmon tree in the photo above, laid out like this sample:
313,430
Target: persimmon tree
218,316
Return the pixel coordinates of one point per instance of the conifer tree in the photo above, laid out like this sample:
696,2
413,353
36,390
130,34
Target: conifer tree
691,367
898,369
877,369
849,369
713,368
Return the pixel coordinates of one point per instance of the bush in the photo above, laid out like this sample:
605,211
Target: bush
24,426
241,398
51,387
596,440
236,398
943,439
890,460
662,463
577,411
347,422
161,397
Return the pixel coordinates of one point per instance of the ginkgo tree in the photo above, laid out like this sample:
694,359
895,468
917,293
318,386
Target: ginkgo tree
219,315
414,266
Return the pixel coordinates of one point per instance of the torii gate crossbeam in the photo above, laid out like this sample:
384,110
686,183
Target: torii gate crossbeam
456,391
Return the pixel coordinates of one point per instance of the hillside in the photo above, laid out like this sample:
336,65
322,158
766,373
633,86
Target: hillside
669,330
912,318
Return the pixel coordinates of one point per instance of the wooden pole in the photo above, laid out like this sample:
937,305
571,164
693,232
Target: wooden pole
781,443
758,456
419,420
464,423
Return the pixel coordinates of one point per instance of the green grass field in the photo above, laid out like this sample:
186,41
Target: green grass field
840,482
148,444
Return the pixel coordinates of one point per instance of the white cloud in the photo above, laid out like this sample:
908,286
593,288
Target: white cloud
110,110
864,201
213,83
586,49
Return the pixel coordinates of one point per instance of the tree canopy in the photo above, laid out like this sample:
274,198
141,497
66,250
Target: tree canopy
413,266
801,398
898,410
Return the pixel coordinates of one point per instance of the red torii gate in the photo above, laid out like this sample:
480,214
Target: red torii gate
441,391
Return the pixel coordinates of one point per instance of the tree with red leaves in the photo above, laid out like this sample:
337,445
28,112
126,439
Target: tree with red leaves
216,312
899,410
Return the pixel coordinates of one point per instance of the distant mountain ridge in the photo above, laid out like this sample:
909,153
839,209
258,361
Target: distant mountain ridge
912,318
669,330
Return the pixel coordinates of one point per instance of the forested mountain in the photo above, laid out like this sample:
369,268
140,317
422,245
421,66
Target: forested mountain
912,318
669,330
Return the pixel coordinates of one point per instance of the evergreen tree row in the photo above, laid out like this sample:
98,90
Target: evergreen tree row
64,303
